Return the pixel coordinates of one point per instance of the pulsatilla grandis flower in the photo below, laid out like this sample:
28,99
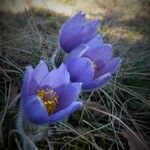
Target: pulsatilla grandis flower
48,97
77,30
92,64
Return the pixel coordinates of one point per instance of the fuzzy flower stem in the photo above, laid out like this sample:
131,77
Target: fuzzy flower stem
30,130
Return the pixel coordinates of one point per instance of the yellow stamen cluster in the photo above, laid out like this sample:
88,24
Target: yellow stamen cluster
49,98
95,67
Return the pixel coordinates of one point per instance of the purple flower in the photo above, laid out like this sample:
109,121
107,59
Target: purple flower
92,64
76,31
48,97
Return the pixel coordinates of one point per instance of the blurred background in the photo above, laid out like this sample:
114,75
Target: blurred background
114,117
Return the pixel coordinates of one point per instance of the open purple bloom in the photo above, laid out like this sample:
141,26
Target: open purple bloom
48,97
92,64
77,30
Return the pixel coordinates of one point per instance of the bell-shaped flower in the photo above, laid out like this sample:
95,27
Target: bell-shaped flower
77,30
48,97
92,64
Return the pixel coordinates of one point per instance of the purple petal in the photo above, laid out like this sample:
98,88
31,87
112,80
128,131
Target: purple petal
90,31
66,112
100,54
96,41
71,38
36,112
77,31
37,76
81,70
79,18
77,52
110,67
67,94
97,83
56,77
26,81
72,31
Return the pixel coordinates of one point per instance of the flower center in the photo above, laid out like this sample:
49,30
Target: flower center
50,99
95,67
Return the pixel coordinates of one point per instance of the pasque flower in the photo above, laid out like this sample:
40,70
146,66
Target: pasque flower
77,30
92,64
48,97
